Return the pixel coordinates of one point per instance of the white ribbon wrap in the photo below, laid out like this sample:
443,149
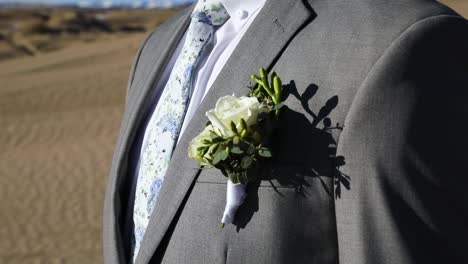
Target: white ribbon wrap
235,196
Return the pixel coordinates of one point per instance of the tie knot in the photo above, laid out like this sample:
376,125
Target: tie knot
211,12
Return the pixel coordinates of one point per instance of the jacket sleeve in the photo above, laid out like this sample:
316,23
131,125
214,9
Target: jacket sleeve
406,147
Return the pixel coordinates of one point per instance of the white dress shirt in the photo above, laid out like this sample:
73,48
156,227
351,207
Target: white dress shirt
242,13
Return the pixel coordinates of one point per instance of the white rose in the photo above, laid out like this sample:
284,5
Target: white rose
230,108
198,142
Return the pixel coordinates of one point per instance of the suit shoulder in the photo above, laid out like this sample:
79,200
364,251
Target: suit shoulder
168,26
417,11
171,23
421,26
402,14
404,24
431,51
153,45
443,33
161,33
427,46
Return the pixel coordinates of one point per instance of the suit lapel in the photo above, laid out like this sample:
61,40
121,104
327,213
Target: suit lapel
139,103
270,32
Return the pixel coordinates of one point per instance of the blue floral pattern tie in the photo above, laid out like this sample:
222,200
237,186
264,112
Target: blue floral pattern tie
164,126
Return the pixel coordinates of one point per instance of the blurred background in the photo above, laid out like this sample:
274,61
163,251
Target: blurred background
64,66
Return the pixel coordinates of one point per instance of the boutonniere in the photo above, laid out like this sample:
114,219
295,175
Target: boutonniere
237,137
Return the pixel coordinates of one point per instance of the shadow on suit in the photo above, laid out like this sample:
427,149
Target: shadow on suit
302,149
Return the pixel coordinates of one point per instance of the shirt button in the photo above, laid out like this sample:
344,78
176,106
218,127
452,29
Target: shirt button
241,13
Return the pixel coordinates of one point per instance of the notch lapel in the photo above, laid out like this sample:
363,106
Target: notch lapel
139,102
270,32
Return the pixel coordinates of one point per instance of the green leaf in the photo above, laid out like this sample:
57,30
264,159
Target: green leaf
220,155
272,76
243,125
201,151
277,86
217,140
263,82
235,140
254,77
243,177
201,148
233,127
251,150
246,162
206,141
234,177
213,148
263,76
236,150
243,133
224,172
264,152
213,134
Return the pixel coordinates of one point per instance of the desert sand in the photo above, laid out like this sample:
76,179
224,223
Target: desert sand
60,113
61,101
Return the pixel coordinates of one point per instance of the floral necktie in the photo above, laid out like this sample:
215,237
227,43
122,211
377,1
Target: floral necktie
164,126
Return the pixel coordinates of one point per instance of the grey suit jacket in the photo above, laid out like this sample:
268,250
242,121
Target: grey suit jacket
371,160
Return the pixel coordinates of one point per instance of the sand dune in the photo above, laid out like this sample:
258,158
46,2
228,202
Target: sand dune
60,114
461,6
63,74
30,31
60,111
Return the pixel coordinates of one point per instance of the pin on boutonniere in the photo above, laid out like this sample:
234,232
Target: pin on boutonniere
237,137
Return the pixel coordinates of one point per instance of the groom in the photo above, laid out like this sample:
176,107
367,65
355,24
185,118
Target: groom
370,157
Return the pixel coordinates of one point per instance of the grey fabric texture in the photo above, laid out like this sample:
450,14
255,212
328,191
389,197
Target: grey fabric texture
383,184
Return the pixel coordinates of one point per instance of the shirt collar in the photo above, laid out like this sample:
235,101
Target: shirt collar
240,10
